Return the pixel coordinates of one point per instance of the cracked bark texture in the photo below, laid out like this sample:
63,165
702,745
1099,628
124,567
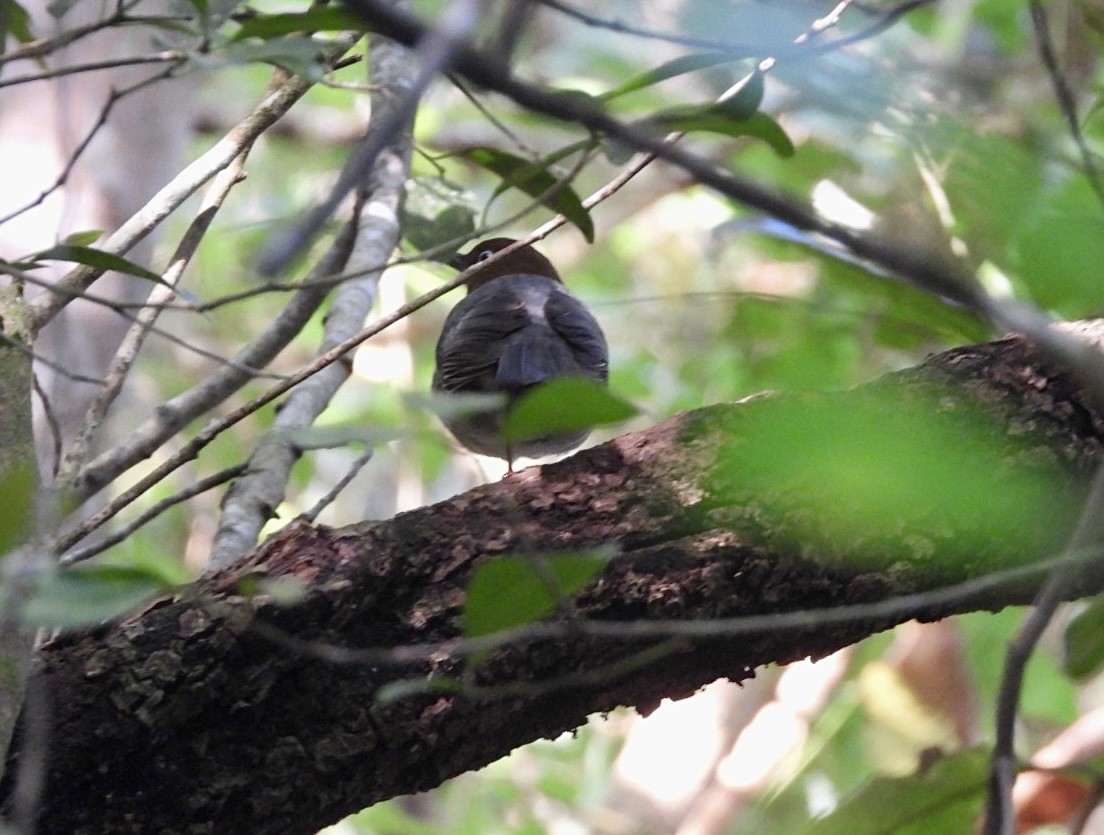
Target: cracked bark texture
187,717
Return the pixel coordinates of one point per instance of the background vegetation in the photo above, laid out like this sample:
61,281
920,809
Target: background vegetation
942,127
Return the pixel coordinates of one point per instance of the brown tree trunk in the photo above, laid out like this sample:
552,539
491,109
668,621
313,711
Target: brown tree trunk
224,712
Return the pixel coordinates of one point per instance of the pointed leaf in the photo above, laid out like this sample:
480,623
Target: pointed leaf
513,591
537,181
564,404
759,125
95,258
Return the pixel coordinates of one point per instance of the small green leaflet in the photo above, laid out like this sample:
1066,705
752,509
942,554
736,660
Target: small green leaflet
534,179
564,404
326,19
513,591
87,596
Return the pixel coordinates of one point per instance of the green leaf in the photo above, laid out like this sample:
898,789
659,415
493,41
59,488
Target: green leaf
94,258
670,69
860,469
743,105
737,116
17,486
513,591
14,21
761,126
534,179
564,404
1083,641
543,164
943,798
86,596
325,19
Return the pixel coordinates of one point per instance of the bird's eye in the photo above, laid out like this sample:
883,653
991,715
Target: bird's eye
484,255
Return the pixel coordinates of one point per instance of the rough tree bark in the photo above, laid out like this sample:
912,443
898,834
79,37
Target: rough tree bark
195,715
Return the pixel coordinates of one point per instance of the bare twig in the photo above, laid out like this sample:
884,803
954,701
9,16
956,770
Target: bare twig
168,56
804,46
151,513
171,416
142,327
101,119
1000,818
45,46
51,422
436,49
1062,92
250,501
976,589
277,102
359,464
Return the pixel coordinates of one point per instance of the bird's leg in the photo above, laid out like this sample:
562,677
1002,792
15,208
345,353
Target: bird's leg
509,461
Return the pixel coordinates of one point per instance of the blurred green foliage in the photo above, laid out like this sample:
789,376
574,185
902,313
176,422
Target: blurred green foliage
943,128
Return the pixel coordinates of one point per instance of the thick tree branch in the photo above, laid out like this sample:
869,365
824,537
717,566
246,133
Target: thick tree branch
229,712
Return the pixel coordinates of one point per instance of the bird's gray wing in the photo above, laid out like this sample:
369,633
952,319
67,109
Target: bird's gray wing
473,337
580,331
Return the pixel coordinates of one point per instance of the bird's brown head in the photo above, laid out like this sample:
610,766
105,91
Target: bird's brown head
522,261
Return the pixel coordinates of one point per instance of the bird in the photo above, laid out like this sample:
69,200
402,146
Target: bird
517,327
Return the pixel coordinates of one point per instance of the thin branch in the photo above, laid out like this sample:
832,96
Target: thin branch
250,501
902,606
143,326
19,346
51,422
804,46
169,418
151,513
101,119
1062,92
168,56
1000,818
354,469
275,104
44,46
436,49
